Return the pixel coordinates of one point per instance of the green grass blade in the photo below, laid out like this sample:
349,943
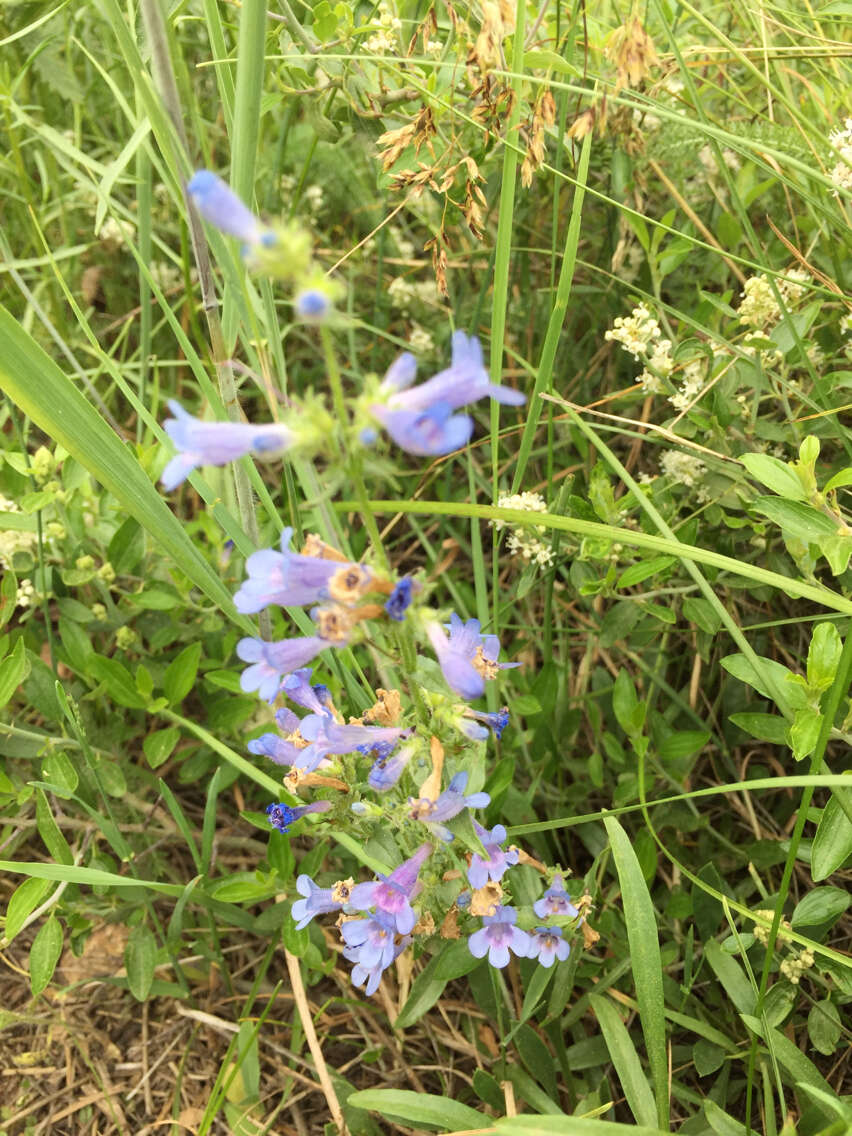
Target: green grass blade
35,383
637,1091
645,960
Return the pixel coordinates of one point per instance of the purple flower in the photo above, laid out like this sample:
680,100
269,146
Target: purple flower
391,895
386,771
282,816
426,433
312,305
218,204
555,901
331,737
449,804
370,976
481,871
497,721
291,580
547,945
371,941
399,599
272,660
216,443
297,687
498,936
317,901
464,381
467,658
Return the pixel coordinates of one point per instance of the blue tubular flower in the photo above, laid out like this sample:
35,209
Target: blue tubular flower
331,737
494,868
371,940
386,771
391,895
272,660
498,936
466,657
218,204
216,443
426,433
449,804
283,816
297,687
497,721
291,579
312,305
317,901
464,381
555,901
400,599
547,945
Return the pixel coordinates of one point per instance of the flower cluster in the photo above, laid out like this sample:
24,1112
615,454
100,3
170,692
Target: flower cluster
381,771
522,540
841,139
640,336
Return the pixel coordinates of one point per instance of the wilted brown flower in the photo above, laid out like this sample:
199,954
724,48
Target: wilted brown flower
632,51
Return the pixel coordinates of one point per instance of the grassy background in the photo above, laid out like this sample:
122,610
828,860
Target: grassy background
656,648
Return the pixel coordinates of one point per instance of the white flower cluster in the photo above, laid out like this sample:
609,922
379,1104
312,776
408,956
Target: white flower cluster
13,540
25,595
841,139
313,196
691,382
385,40
404,293
420,340
640,336
165,275
521,540
682,467
707,158
115,234
759,307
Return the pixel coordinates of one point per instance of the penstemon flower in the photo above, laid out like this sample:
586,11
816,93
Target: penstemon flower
218,204
498,936
217,443
466,657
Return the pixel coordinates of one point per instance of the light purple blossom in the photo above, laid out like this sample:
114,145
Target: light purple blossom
496,721
298,688
216,443
426,433
332,737
370,976
288,578
391,895
555,901
370,940
272,660
464,381
467,658
448,805
547,945
317,901
312,305
387,770
481,871
218,204
498,936
282,816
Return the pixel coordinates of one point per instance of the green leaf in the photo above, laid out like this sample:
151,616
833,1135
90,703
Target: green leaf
569,1126
698,611
636,573
822,905
833,841
682,743
790,1057
140,959
740,667
117,680
797,519
633,1080
127,547
823,656
419,1108
707,1057
52,402
48,829
775,475
824,1028
180,673
804,732
628,710
766,727
44,954
13,670
8,596
839,481
158,746
22,903
643,938
730,975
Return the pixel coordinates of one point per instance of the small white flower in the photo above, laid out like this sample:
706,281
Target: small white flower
683,468
522,540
